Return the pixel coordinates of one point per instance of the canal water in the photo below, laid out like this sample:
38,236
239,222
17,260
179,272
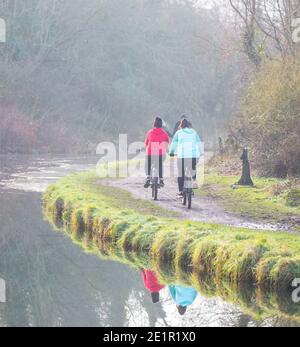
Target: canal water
50,281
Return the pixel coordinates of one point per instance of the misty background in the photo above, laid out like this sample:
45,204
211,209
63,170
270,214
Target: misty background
74,73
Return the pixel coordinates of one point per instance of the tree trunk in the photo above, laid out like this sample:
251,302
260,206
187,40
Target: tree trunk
246,179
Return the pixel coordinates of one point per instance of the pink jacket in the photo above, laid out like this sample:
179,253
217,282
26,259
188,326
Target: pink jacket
151,282
157,142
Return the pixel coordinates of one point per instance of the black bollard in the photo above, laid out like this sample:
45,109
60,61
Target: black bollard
246,179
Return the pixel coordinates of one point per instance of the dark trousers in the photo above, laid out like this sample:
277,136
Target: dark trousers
157,161
183,164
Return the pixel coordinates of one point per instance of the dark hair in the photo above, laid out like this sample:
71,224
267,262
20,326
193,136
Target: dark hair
184,124
182,310
158,123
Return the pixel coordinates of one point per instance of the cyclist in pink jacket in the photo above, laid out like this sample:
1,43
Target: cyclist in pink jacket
157,142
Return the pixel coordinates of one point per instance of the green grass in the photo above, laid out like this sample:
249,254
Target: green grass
267,201
114,225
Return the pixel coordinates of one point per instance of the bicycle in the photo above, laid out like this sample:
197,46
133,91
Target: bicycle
188,191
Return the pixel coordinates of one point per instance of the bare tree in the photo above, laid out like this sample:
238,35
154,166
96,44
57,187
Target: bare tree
267,26
91,68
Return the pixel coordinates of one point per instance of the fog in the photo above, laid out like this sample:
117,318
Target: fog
76,73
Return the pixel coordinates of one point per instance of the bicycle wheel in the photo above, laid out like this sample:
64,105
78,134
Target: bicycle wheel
190,197
155,190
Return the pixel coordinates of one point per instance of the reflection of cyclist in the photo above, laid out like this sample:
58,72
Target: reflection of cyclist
183,297
187,144
157,142
152,285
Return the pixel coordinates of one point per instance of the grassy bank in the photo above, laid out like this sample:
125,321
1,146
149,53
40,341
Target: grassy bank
270,200
252,269
101,217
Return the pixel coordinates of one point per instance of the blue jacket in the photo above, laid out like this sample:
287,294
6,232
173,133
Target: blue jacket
187,144
183,296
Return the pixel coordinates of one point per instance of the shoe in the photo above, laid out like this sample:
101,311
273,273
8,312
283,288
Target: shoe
195,185
147,183
155,297
161,183
179,196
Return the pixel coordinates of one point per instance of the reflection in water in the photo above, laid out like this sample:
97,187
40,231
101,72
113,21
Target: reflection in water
51,282
183,297
258,306
152,284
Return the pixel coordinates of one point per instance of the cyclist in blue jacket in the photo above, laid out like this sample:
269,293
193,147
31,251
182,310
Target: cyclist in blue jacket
187,144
